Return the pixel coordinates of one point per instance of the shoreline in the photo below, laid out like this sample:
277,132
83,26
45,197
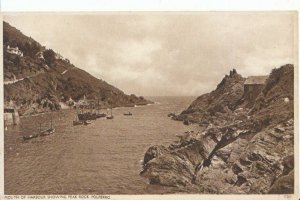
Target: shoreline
118,107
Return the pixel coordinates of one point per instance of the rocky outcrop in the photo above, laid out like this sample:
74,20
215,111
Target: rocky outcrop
221,101
39,83
175,165
251,152
284,185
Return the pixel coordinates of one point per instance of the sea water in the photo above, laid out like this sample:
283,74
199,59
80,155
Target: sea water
104,157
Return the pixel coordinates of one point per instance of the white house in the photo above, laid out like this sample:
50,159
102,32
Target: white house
83,102
13,50
70,102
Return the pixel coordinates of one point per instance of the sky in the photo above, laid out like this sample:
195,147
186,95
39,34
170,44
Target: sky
166,53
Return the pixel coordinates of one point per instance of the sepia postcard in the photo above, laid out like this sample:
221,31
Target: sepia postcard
150,105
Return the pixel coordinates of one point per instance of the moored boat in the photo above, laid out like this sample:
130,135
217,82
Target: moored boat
87,122
100,115
28,137
41,132
128,114
78,123
47,132
87,116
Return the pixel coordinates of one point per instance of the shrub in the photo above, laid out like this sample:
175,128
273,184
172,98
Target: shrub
49,56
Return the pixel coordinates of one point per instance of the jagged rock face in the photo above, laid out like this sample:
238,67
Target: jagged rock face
175,165
52,79
252,152
260,161
220,101
154,152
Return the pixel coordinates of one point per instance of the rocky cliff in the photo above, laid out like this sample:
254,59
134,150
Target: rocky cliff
250,151
225,98
37,79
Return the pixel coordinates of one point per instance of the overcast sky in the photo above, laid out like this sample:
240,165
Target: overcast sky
161,54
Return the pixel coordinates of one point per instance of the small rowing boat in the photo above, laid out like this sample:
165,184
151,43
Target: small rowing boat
28,137
47,132
87,122
128,114
41,132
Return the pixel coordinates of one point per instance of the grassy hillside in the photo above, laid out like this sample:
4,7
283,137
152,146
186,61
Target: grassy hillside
42,75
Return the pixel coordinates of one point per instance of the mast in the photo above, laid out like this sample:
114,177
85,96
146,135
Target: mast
98,109
51,123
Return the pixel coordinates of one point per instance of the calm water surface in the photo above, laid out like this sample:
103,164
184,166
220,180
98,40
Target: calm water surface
102,158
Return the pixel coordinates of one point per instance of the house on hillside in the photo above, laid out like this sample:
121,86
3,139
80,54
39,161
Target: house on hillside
70,102
40,55
13,50
82,102
253,86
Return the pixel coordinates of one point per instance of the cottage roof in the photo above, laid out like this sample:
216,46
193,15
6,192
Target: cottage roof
251,80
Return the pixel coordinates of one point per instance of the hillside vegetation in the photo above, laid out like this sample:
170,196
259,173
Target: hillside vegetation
41,78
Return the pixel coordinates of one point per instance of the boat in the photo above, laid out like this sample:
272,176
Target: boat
76,122
171,115
87,116
41,132
109,117
81,122
87,122
100,115
48,131
128,114
28,137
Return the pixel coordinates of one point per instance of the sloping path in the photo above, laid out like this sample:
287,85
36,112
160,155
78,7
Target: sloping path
21,79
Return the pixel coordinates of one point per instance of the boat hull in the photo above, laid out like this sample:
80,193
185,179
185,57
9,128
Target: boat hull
87,122
101,115
75,123
87,116
47,132
29,137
